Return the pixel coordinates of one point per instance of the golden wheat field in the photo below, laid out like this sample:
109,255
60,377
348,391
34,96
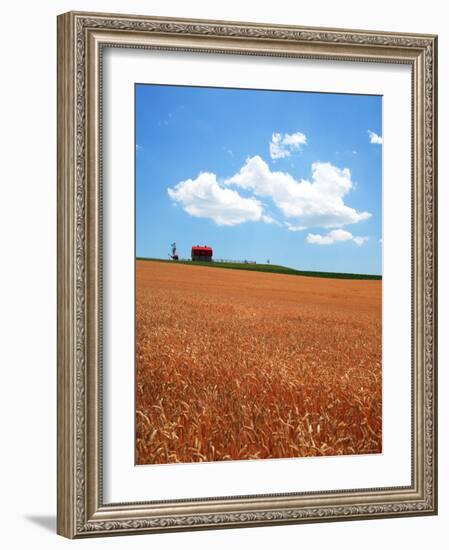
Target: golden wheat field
234,365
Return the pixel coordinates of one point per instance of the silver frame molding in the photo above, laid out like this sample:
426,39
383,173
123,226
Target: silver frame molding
81,39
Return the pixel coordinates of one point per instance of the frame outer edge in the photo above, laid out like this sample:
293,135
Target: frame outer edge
127,17
77,451
435,269
66,288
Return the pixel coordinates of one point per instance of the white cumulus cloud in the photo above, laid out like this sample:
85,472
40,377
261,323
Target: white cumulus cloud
305,203
204,197
335,236
374,138
282,145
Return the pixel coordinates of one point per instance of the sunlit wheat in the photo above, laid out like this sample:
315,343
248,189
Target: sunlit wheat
240,365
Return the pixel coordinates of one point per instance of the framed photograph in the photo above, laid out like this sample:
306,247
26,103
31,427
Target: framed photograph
247,281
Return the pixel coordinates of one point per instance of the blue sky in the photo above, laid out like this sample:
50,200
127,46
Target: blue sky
292,177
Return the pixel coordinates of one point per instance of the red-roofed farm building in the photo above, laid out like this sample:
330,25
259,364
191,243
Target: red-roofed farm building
201,253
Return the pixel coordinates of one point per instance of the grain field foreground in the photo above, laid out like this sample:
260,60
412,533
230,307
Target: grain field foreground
243,365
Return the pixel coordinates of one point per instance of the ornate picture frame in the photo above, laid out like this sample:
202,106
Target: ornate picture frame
82,39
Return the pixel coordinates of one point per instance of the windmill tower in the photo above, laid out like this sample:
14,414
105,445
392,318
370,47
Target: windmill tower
174,255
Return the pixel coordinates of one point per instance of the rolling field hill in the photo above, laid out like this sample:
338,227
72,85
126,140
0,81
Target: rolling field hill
234,365
269,268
